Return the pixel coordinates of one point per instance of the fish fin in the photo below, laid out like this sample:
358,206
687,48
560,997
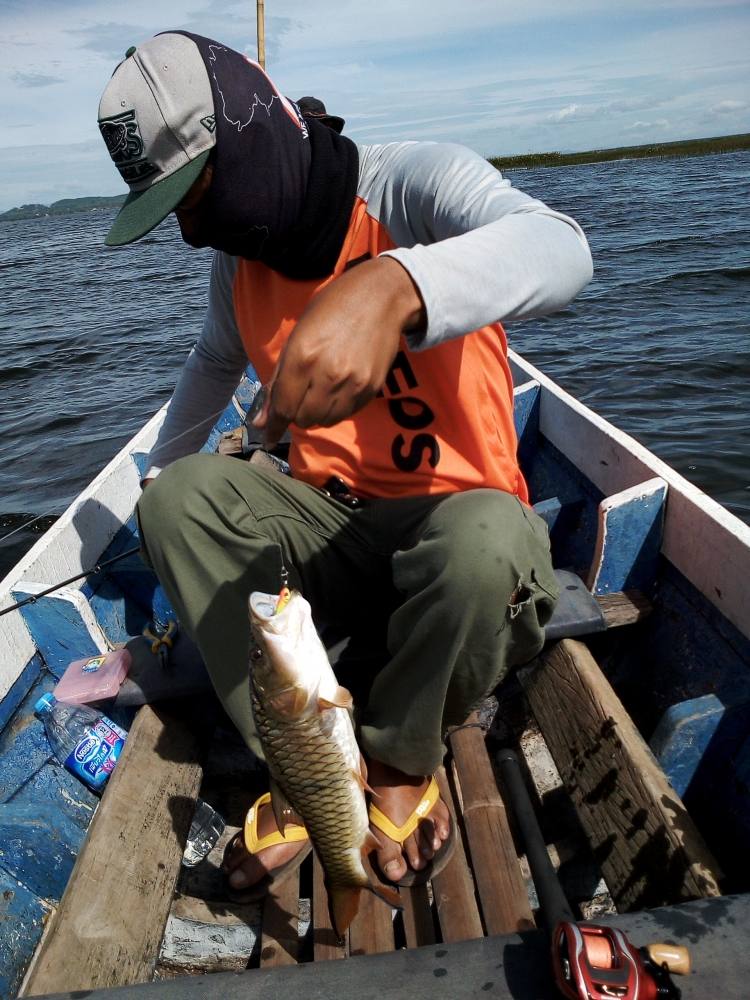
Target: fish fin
362,782
371,843
341,699
283,810
387,893
343,904
365,786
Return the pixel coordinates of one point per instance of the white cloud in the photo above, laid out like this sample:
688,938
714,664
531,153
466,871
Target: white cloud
571,112
728,107
563,113
640,126
591,112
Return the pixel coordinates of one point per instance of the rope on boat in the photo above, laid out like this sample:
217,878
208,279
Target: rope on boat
32,599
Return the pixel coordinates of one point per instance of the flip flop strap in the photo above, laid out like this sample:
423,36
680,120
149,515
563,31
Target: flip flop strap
423,809
293,832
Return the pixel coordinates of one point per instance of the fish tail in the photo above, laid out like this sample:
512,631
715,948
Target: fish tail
343,904
387,893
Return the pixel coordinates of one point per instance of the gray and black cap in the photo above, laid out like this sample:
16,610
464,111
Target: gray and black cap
157,118
282,186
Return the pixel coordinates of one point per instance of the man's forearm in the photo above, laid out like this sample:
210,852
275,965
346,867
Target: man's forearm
522,266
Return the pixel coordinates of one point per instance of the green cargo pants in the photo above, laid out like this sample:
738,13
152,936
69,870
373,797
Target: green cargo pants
442,595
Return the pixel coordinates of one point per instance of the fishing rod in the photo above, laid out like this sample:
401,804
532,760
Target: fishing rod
589,961
33,598
6,519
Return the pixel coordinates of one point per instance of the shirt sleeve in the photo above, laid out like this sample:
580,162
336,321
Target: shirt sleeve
210,376
478,249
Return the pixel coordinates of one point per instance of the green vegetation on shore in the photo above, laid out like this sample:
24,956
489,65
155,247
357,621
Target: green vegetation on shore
67,206
687,147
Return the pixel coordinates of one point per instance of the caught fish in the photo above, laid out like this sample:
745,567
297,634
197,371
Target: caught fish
303,722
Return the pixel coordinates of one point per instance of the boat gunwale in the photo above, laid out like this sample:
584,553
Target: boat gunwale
47,561
716,564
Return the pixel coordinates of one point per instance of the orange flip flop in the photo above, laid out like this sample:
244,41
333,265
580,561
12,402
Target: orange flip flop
293,833
421,812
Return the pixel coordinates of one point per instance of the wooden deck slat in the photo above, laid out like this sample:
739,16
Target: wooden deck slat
453,888
648,847
501,888
111,919
371,931
325,945
280,940
419,924
624,607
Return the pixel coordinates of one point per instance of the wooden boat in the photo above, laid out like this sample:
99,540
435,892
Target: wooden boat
641,724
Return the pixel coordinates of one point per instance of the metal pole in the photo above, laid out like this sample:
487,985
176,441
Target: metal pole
260,10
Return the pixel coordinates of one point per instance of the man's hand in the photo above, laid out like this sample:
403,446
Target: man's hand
338,355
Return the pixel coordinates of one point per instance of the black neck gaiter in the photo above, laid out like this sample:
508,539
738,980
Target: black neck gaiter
283,186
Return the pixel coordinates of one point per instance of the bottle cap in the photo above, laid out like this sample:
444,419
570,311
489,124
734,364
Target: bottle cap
46,703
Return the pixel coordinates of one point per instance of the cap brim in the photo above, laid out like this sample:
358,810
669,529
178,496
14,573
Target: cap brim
333,121
142,211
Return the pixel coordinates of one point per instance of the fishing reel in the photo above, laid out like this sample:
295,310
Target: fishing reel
592,962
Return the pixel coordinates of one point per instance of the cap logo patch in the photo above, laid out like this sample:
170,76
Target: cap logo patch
125,145
209,123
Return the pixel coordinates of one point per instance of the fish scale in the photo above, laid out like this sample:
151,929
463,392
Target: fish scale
303,762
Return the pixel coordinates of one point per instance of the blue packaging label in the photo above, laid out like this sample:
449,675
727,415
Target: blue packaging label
95,756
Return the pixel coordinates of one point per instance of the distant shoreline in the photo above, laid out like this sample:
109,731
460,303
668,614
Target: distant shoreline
660,150
67,206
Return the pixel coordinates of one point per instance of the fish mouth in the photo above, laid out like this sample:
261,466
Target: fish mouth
263,607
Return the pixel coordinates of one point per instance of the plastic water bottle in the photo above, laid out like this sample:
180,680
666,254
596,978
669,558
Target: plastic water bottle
206,828
85,741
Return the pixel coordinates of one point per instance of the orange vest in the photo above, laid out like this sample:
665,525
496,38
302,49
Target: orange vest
443,421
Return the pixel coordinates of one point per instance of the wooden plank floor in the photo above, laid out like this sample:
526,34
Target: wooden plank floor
484,890
480,891
446,910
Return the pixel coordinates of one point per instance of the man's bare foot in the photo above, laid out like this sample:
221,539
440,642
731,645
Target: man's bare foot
245,869
397,795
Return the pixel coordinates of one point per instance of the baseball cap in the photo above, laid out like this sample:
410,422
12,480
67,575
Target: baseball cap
157,119
312,107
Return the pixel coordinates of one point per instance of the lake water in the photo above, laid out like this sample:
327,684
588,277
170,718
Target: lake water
92,340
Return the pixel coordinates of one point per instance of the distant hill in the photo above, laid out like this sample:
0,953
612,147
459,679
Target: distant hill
66,206
661,150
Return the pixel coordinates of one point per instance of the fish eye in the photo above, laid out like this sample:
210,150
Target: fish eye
256,653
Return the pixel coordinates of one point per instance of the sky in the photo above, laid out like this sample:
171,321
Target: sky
500,77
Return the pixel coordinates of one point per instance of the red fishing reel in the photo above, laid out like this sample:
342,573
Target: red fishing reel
592,962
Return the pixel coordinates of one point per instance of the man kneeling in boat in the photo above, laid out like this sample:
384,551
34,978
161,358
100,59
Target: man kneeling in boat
367,286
